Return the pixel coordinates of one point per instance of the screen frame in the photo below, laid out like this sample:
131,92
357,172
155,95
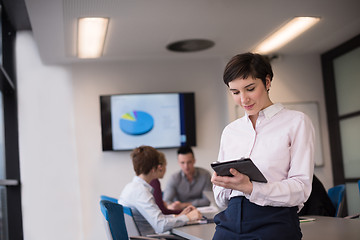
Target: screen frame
187,115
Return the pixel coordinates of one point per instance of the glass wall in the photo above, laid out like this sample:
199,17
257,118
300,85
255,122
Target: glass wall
347,75
3,205
341,74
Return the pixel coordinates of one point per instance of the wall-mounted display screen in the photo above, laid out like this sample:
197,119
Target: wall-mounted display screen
160,120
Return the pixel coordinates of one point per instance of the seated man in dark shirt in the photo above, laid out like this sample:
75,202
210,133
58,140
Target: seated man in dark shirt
319,202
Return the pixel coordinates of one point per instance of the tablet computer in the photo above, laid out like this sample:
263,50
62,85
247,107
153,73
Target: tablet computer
244,166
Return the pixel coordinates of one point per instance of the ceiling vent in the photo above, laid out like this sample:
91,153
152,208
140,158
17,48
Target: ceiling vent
190,45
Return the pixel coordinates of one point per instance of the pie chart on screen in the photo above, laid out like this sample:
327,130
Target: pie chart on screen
136,123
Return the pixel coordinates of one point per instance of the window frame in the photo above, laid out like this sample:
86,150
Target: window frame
8,88
333,116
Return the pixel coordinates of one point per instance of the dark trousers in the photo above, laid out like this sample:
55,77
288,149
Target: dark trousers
247,221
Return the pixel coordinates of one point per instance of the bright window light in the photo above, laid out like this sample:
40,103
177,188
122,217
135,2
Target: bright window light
91,36
285,34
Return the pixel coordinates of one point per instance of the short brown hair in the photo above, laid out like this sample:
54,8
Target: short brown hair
248,64
144,159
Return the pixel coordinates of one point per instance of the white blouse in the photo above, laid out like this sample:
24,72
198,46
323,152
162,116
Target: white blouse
138,195
281,146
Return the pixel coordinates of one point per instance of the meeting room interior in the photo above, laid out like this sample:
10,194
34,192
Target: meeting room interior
64,138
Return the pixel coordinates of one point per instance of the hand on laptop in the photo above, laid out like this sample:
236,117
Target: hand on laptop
194,215
188,209
178,205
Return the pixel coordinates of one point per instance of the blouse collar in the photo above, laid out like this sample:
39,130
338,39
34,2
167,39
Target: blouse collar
269,112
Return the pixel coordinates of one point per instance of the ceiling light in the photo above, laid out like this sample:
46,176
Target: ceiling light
91,36
286,33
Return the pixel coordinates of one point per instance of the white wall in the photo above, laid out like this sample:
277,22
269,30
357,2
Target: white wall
60,135
48,163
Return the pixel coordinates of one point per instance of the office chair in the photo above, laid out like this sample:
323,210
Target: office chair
337,196
131,227
114,216
128,218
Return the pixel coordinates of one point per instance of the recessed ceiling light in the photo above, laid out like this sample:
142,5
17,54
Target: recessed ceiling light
91,37
285,34
190,45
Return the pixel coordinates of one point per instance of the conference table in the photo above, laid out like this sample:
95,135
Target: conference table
327,228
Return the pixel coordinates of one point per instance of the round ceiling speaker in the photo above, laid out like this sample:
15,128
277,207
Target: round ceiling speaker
190,45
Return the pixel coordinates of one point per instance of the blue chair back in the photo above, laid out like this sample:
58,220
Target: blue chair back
114,215
359,186
130,224
336,195
111,199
